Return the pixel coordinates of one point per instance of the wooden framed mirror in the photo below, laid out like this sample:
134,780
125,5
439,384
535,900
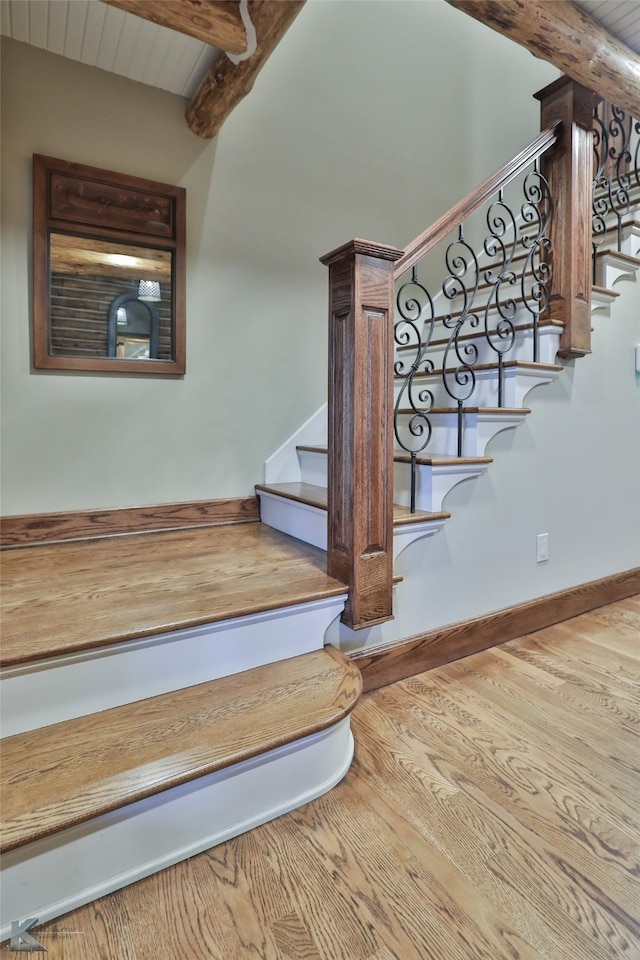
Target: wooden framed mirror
108,271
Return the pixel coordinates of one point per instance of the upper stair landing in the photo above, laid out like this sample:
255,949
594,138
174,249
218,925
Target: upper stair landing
65,597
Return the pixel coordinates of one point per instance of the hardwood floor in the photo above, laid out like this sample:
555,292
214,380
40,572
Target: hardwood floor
492,813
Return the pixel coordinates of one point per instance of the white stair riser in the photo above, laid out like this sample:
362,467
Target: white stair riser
601,301
522,349
313,467
477,431
432,483
299,520
610,269
65,687
49,877
309,523
631,239
630,236
517,384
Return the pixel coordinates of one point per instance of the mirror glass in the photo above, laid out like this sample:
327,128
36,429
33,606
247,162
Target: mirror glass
109,299
109,271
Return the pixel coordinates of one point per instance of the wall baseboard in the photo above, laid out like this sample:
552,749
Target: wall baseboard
38,528
406,658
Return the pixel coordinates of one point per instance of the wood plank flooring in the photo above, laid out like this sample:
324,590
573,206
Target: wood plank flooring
64,597
492,813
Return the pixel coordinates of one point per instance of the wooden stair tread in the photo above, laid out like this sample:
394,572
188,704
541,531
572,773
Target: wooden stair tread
441,460
605,290
625,224
316,496
65,597
70,772
508,364
626,257
487,411
476,334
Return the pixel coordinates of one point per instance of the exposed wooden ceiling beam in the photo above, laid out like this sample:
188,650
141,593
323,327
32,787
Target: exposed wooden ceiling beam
563,34
216,22
227,83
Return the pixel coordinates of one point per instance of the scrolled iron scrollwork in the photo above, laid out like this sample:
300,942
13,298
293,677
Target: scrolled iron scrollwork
474,317
616,147
460,287
500,307
536,212
413,333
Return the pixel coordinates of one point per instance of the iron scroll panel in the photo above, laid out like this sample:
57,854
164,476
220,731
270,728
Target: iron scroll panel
496,268
616,180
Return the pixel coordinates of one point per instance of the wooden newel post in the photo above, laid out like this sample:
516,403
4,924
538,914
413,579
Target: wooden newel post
360,465
569,170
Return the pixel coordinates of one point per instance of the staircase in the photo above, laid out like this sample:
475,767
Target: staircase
513,307
163,692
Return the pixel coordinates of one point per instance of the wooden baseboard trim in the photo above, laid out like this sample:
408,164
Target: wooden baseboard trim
406,658
38,528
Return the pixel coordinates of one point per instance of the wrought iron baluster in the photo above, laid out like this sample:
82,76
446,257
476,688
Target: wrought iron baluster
536,213
502,242
616,146
486,285
417,315
459,379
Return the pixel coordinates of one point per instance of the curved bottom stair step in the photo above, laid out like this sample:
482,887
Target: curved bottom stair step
92,804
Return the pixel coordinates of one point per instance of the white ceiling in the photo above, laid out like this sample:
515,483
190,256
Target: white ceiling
105,37
620,17
102,36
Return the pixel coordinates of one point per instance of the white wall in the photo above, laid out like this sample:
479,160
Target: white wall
370,120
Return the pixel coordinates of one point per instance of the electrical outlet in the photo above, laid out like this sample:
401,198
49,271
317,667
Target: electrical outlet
542,547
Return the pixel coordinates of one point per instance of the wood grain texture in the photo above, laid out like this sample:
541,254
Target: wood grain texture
396,661
316,496
216,22
419,247
67,597
360,436
569,38
569,171
225,84
34,528
484,817
70,772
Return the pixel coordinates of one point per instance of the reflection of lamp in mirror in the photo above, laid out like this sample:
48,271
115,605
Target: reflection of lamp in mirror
121,317
149,291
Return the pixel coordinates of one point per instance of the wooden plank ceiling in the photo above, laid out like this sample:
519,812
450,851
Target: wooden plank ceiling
208,51
187,46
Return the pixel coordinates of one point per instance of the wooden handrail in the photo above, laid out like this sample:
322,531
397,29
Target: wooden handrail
435,233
